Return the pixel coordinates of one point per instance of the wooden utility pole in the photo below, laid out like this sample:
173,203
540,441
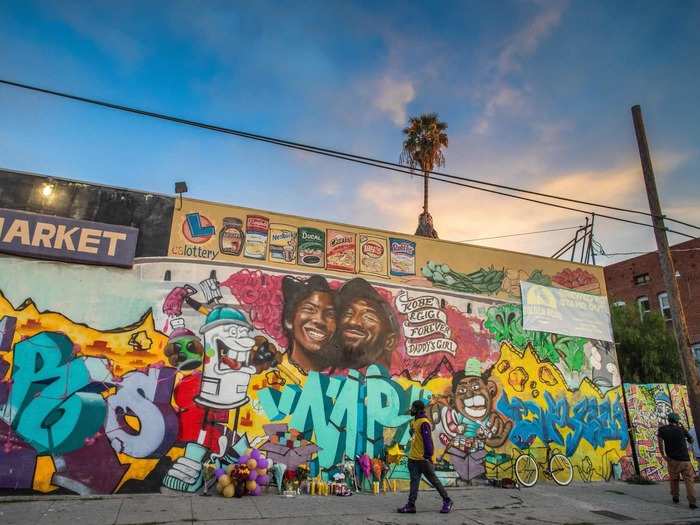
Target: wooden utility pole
690,370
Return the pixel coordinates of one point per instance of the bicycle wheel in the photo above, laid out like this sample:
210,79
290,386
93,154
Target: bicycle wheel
560,469
526,470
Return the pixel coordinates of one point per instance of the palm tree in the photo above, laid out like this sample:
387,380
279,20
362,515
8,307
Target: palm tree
425,138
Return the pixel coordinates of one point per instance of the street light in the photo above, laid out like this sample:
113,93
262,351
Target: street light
180,188
47,189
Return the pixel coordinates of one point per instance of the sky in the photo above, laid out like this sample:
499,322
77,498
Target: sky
536,94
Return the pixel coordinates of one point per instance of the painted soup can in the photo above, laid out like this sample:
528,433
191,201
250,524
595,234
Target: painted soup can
402,256
312,246
340,251
256,230
283,243
373,255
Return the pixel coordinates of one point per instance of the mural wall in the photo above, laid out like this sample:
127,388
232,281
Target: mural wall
648,406
306,340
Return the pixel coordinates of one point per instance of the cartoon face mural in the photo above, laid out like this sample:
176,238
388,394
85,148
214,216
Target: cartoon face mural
475,404
314,366
184,350
227,369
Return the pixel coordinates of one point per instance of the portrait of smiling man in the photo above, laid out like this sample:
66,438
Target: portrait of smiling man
310,321
367,331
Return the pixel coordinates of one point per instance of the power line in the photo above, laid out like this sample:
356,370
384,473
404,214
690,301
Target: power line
520,234
399,168
645,253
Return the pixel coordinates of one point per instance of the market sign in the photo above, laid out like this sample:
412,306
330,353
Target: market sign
559,311
63,239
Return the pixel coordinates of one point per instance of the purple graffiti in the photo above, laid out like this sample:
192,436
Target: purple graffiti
17,460
147,398
7,332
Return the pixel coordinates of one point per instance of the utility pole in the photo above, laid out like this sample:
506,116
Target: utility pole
690,370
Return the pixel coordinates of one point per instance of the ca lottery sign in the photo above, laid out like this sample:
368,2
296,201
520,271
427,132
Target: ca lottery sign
69,240
425,328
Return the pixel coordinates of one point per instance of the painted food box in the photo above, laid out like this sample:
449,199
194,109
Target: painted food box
402,256
283,243
341,252
373,255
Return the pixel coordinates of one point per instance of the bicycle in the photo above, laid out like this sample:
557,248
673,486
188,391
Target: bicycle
556,467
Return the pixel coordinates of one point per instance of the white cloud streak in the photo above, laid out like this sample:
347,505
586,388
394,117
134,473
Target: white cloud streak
392,97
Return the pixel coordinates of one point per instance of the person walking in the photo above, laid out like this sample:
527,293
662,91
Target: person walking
674,450
420,460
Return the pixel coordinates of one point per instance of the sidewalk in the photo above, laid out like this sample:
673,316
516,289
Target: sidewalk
578,504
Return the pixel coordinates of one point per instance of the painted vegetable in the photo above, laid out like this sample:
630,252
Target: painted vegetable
484,281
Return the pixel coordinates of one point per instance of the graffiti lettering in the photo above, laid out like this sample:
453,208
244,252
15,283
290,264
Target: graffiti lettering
330,406
48,405
589,420
145,397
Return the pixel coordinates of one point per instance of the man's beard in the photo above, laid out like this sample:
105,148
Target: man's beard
361,355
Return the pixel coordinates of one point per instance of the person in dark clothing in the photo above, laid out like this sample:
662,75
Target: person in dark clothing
420,460
674,450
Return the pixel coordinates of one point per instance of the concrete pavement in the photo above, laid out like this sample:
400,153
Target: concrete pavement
578,504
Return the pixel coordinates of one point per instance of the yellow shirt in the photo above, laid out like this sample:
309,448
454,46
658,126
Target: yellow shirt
417,450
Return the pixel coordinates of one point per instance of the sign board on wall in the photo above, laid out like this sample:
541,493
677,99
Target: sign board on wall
206,231
64,239
548,309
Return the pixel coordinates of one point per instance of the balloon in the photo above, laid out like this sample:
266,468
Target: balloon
225,480
253,475
228,492
243,460
261,471
250,486
229,469
263,463
251,463
219,488
255,454
219,472
264,479
257,491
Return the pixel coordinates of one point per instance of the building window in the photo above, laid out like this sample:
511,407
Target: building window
642,278
696,352
665,306
643,305
619,303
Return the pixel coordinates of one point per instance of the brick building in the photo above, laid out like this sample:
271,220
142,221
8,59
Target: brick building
639,281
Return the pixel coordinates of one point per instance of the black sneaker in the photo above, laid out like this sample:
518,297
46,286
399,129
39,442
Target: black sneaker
406,509
675,499
693,506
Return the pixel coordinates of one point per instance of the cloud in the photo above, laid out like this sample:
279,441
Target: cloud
505,97
393,97
525,42
461,213
501,94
